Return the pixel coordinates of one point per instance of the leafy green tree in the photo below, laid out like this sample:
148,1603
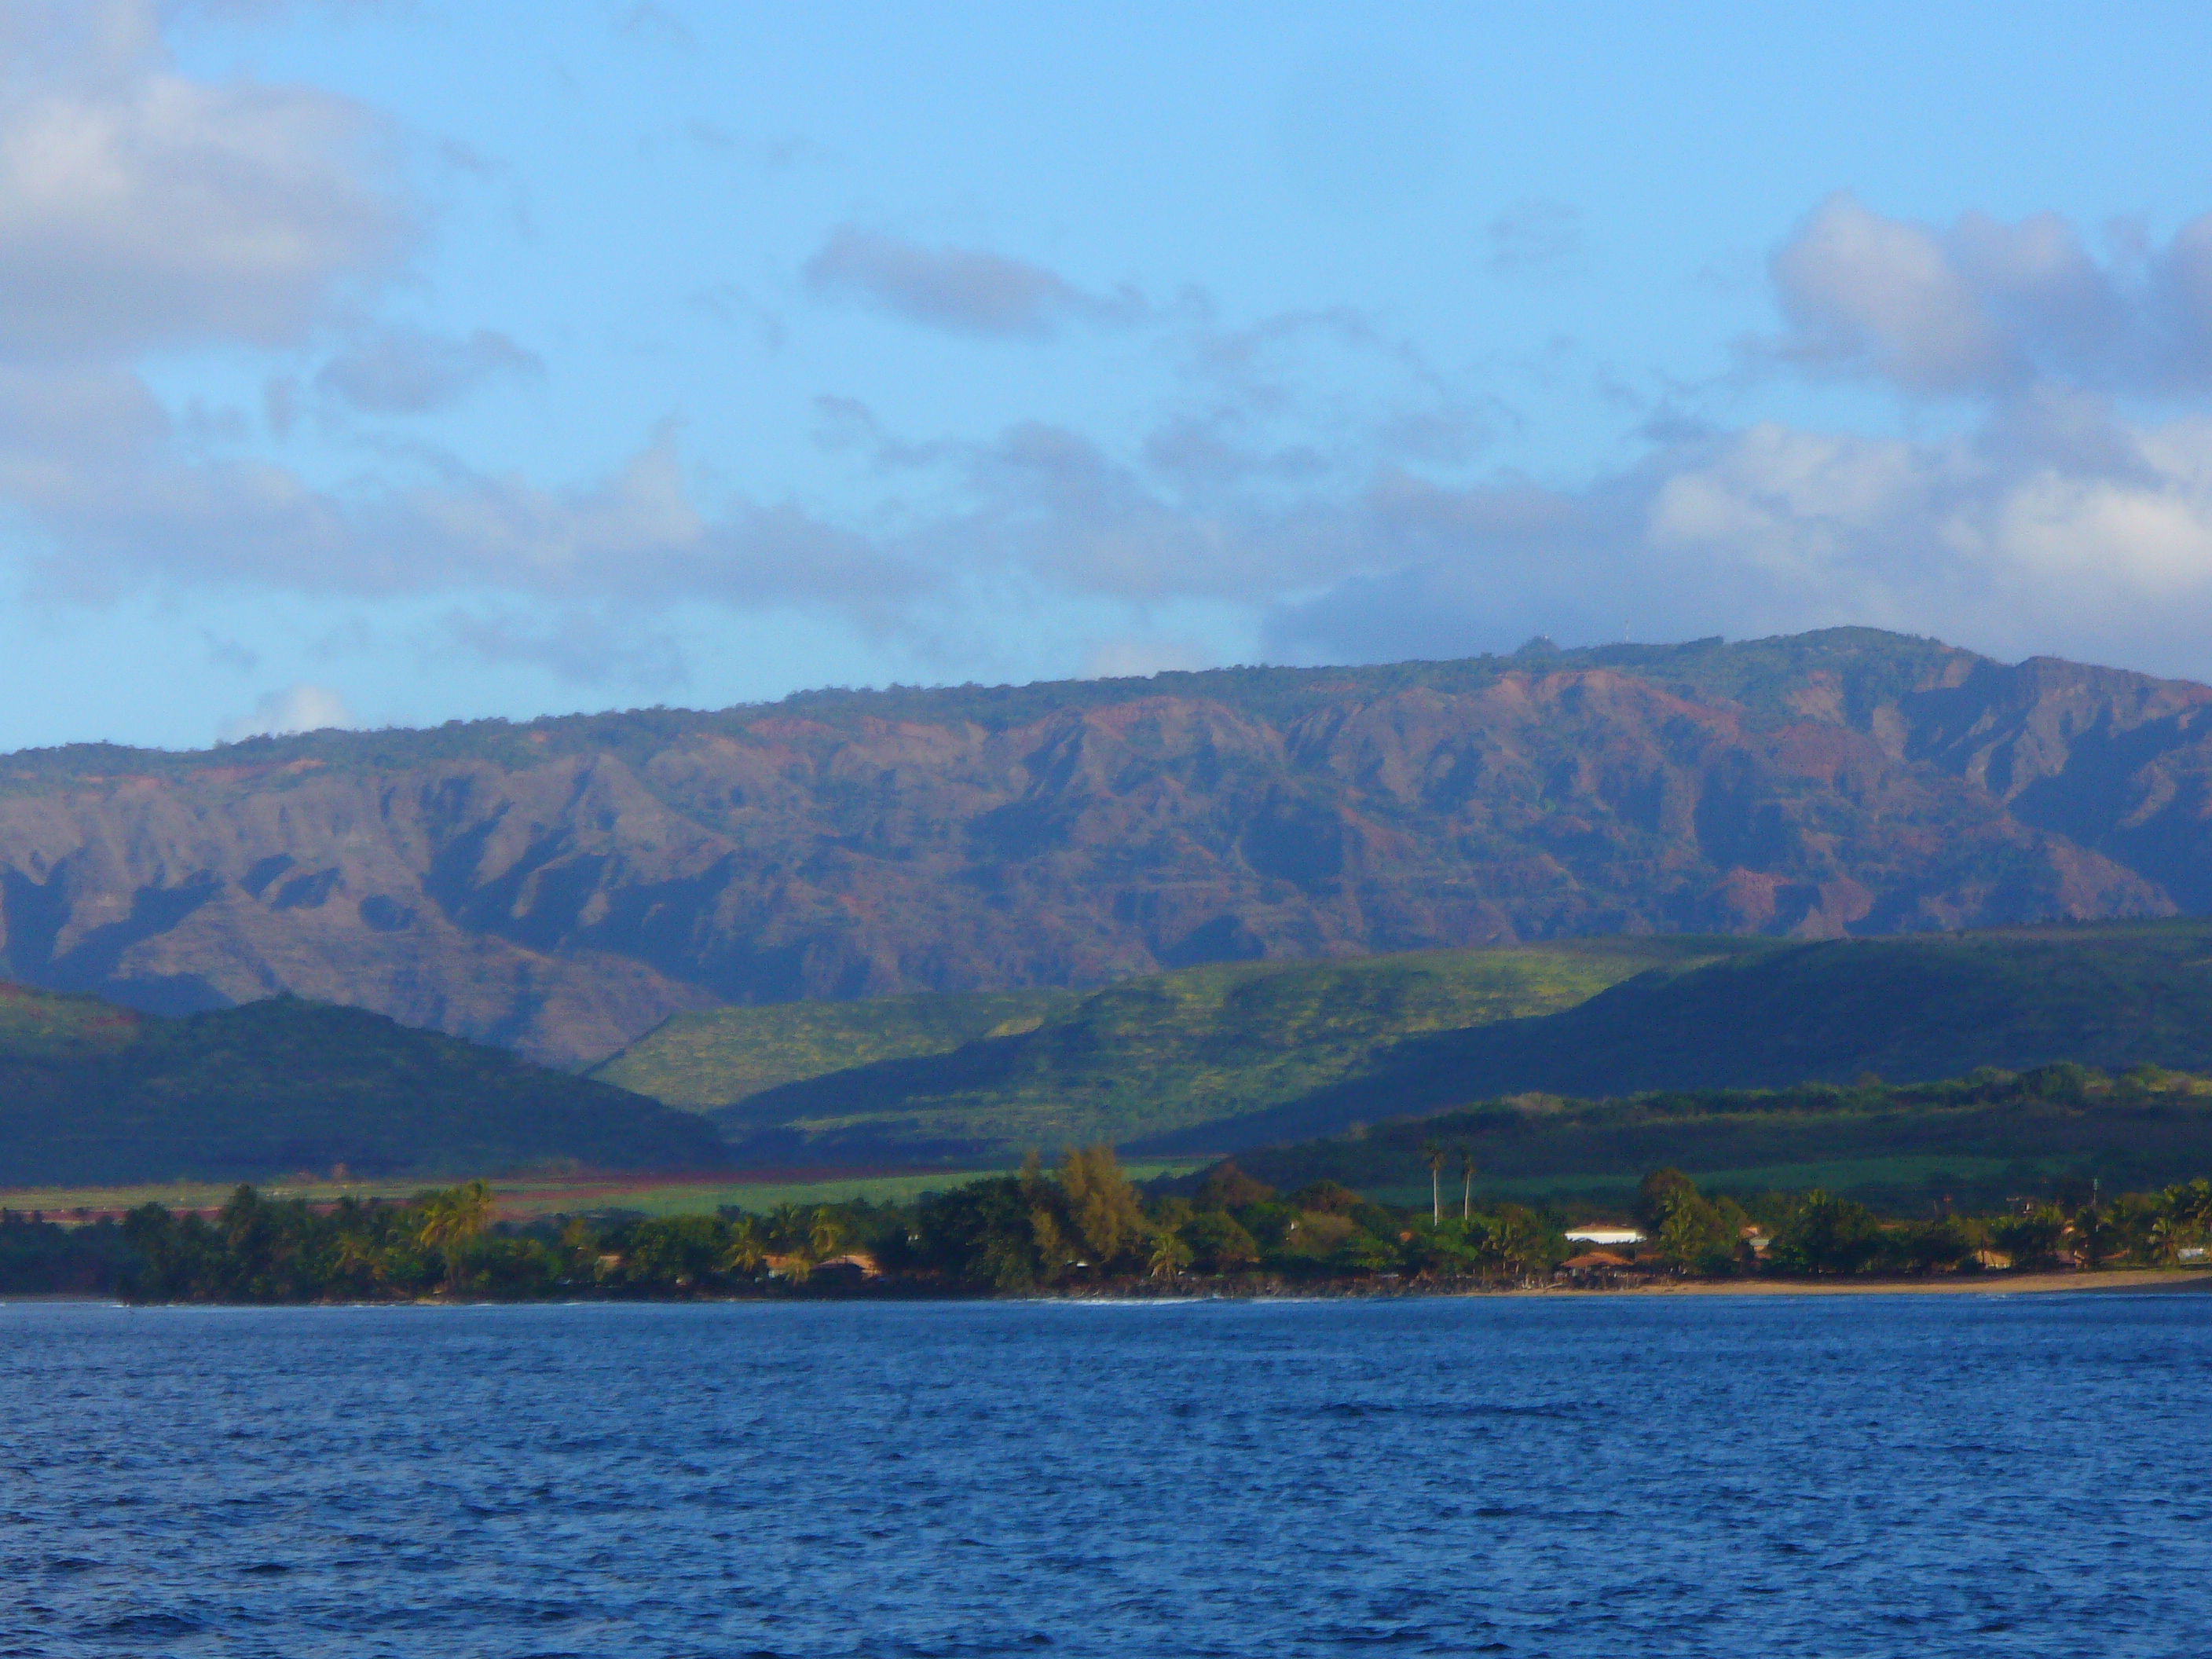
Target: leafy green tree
1827,1235
1326,1198
1103,1207
676,1253
1688,1231
1362,1253
1658,1194
1219,1243
1228,1187
451,1220
745,1253
1439,1252
2097,1237
2032,1240
1944,1243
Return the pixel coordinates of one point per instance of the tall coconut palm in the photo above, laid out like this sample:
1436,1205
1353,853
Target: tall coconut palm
1466,1183
451,1221
745,1254
1434,1154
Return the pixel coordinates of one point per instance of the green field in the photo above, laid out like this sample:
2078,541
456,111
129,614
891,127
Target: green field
1893,1181
521,1199
719,1057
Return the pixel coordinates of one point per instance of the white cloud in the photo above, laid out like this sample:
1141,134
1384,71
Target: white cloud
1309,469
2082,535
299,707
1983,308
140,208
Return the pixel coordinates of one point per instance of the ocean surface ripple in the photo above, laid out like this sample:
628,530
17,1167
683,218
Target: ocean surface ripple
1603,1477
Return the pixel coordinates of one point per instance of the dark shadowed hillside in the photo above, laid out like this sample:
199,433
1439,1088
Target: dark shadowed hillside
1902,1010
90,1093
562,886
1975,1141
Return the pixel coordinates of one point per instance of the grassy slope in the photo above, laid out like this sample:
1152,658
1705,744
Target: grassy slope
521,1197
1174,1051
93,1094
52,1025
1985,1139
720,1056
2108,995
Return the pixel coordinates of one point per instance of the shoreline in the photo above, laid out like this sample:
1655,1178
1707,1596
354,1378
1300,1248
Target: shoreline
2124,1280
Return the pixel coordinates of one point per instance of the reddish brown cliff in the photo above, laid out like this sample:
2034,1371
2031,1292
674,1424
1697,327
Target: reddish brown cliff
562,886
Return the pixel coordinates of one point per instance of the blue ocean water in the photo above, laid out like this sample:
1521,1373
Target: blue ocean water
1601,1477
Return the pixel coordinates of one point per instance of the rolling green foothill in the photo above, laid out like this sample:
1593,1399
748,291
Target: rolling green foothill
93,1094
720,1056
2106,994
1147,1056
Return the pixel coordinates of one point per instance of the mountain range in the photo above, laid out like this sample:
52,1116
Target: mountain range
562,886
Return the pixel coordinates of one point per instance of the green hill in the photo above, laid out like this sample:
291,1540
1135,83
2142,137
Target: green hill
1977,1141
719,1057
1147,1056
93,1093
2107,994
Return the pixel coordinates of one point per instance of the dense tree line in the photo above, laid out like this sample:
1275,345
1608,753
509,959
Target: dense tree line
1081,1226
42,1256
1817,1234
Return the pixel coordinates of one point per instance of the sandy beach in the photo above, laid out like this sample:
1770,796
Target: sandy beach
2131,1280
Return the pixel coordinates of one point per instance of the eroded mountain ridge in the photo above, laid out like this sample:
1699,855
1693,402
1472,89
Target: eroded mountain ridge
562,886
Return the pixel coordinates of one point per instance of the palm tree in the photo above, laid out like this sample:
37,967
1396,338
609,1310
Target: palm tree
1435,1156
1467,1183
746,1253
787,1229
1170,1255
451,1221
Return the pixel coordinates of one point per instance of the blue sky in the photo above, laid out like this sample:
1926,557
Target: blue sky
375,362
